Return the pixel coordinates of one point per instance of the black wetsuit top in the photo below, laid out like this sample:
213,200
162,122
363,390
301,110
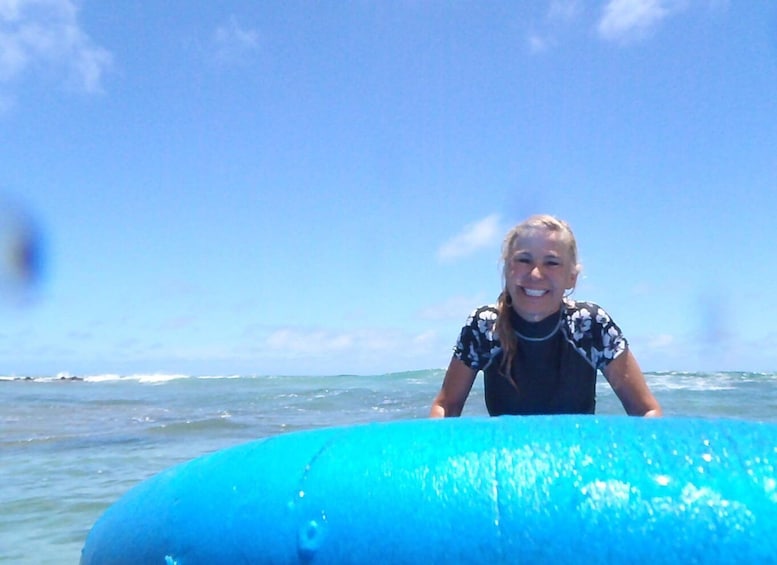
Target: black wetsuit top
556,363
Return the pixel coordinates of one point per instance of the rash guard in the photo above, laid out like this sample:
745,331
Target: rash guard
555,366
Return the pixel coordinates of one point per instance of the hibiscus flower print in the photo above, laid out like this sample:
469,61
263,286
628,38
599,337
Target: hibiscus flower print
581,323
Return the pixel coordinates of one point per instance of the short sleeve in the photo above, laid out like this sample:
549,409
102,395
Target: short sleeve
477,343
595,335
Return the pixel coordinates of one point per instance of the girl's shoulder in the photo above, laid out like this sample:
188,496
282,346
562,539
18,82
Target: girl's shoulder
586,318
593,332
582,309
487,312
482,320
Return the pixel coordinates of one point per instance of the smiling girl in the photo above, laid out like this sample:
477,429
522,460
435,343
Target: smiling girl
539,350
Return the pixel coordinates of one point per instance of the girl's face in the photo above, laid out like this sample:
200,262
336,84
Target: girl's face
538,272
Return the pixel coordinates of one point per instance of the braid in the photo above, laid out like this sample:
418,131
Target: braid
504,331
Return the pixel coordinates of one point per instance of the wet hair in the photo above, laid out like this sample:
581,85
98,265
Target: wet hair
504,303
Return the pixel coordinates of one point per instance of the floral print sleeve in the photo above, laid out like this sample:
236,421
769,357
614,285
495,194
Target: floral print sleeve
477,344
594,334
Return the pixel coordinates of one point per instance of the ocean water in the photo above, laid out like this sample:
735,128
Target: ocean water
70,448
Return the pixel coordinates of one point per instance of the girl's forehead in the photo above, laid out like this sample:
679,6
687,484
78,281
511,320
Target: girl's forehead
537,238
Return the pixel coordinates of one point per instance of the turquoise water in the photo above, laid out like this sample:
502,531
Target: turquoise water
70,448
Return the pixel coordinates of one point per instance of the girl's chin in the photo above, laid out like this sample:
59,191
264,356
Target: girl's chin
536,312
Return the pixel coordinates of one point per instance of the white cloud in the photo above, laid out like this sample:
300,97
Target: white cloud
565,10
426,338
313,342
46,34
537,43
483,233
560,14
632,19
660,341
231,42
304,342
375,346
620,20
456,308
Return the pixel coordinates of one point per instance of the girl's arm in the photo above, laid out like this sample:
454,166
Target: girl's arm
454,391
628,382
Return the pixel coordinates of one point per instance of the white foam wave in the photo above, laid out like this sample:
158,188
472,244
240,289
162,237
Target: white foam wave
143,378
153,378
102,378
159,378
700,382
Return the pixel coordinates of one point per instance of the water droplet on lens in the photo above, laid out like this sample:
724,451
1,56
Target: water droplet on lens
22,254
310,538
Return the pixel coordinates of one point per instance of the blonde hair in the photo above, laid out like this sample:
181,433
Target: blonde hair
504,327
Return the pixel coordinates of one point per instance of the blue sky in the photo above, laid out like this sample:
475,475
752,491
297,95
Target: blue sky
322,187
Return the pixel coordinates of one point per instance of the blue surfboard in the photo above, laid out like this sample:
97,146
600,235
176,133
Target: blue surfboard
556,489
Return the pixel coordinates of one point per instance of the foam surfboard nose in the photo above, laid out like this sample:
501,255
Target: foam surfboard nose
469,490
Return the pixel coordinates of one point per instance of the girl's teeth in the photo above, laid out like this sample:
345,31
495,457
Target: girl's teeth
533,292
